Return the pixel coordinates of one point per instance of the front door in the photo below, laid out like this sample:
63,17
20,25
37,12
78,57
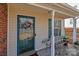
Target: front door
25,33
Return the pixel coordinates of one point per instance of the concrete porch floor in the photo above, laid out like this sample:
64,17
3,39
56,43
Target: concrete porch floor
42,52
72,50
69,51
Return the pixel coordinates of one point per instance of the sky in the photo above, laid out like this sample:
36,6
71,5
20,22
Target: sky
67,21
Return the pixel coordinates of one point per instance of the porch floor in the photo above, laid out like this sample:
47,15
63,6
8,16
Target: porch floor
42,52
69,51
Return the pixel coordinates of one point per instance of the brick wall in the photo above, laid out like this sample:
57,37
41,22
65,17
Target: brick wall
69,33
3,29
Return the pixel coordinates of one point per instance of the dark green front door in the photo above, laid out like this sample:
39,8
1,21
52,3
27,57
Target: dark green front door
25,33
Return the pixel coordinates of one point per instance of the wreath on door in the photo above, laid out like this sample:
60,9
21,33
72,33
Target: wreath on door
26,25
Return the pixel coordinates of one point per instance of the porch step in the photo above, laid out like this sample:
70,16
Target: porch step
28,53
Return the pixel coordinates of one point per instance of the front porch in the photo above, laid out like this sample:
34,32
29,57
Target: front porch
38,30
47,33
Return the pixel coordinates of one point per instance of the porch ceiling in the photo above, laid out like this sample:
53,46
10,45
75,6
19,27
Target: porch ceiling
31,7
61,16
62,10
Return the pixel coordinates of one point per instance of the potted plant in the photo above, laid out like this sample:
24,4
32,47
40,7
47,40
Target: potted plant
76,44
64,38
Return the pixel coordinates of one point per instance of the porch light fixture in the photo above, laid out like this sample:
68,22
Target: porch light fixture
49,14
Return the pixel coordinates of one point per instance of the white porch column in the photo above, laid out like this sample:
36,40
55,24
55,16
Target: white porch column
52,39
74,30
62,28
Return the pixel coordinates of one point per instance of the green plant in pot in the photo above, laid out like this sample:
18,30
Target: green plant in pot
64,38
76,43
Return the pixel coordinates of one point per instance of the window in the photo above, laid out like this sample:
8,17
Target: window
49,28
57,27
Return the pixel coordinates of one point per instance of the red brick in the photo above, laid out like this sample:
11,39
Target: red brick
3,29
